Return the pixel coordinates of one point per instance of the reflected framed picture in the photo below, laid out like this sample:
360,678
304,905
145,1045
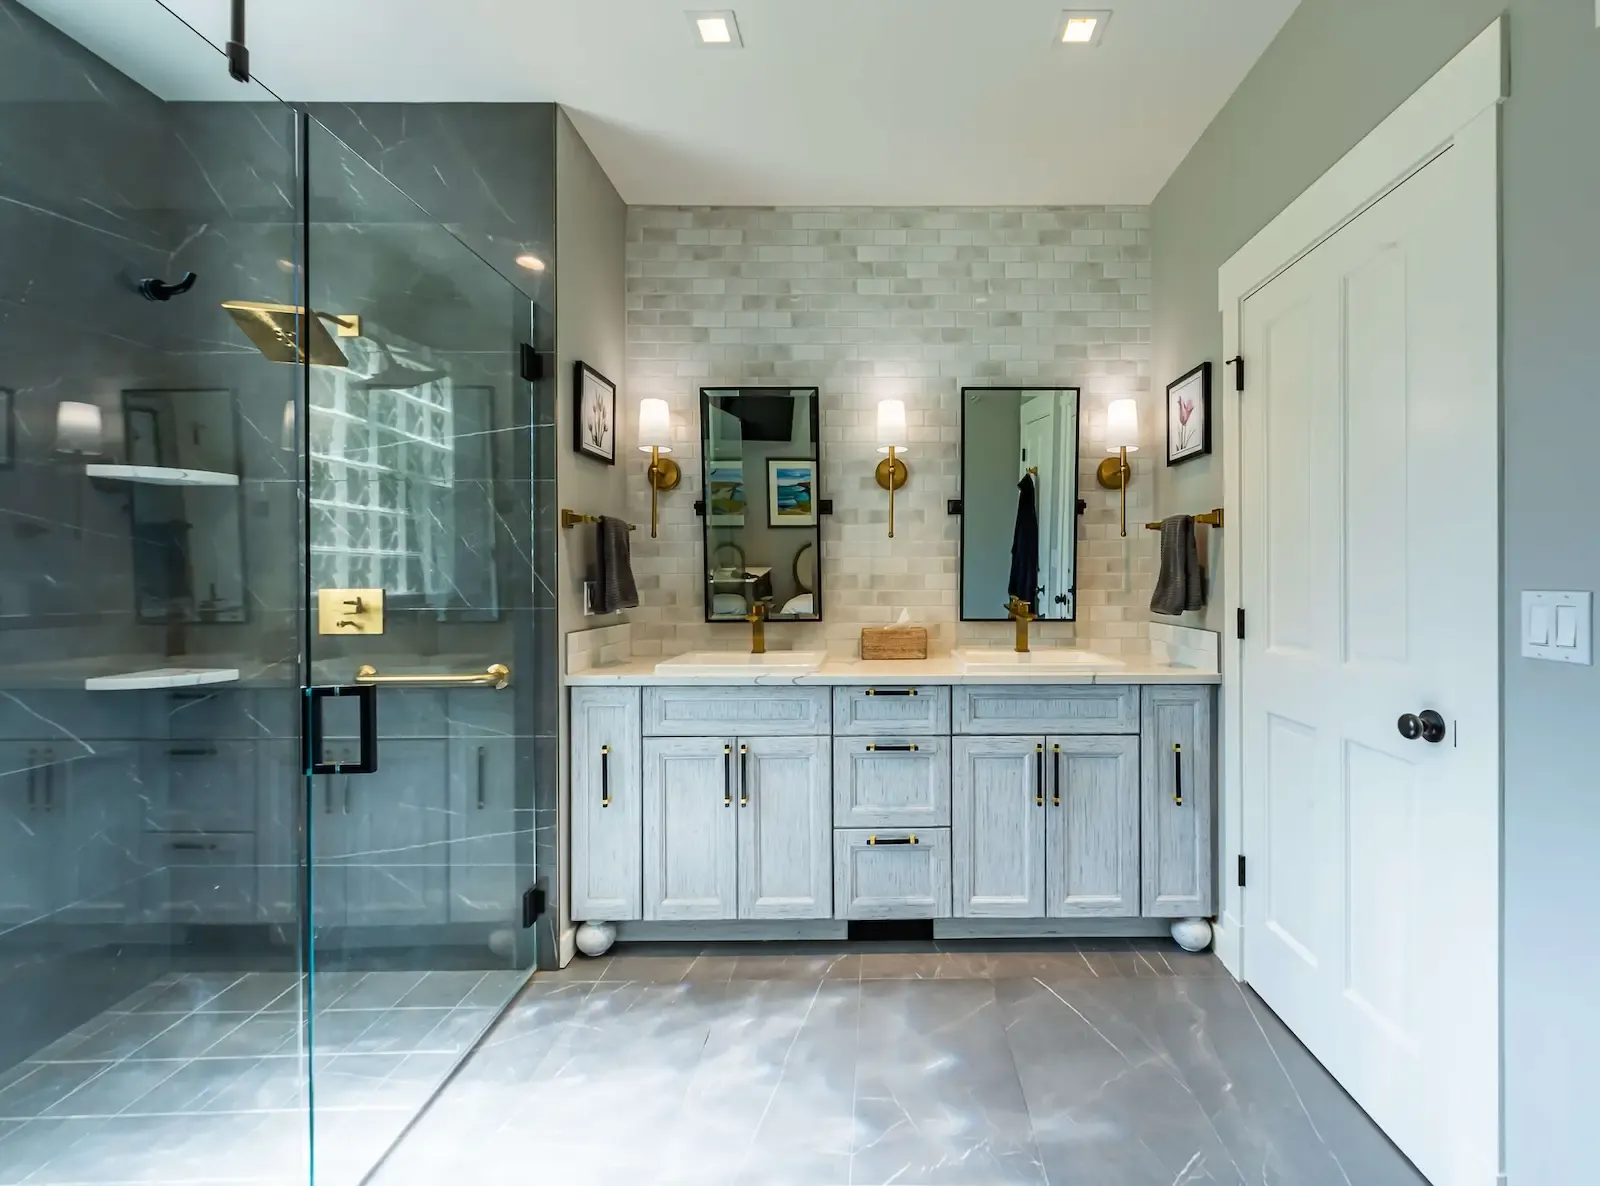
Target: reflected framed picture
8,428
791,492
725,494
594,414
1189,416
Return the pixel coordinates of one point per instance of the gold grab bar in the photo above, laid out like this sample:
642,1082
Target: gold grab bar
497,677
1209,519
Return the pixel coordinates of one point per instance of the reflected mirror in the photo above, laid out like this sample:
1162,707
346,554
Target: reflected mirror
762,541
1019,501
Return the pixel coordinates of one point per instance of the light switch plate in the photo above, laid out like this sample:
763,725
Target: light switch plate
1558,627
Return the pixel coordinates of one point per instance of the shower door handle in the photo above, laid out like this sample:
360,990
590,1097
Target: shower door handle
315,702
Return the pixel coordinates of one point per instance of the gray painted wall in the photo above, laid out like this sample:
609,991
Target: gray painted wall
591,228
1337,69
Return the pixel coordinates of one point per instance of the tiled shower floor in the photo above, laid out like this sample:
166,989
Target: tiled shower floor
200,1078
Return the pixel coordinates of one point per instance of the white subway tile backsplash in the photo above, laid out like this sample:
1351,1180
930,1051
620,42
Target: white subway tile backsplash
908,303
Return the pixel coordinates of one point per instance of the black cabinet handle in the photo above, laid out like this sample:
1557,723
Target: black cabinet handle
1038,776
727,776
744,776
1177,775
874,748
605,776
49,780
1055,798
33,777
483,755
877,841
347,794
891,691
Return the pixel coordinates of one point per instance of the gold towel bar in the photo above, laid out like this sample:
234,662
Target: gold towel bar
573,518
1212,519
498,676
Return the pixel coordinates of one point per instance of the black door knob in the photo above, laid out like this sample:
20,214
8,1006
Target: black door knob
1428,725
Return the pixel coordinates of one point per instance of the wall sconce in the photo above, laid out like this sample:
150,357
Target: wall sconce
1122,438
80,429
892,472
655,438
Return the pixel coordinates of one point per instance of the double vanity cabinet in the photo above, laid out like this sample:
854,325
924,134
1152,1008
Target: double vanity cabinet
697,803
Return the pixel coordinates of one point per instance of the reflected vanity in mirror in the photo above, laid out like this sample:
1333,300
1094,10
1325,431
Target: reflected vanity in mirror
762,541
1019,487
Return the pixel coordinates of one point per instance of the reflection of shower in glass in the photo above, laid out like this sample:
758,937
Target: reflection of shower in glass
394,374
275,331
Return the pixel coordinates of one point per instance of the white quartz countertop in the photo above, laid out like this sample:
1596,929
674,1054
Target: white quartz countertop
943,669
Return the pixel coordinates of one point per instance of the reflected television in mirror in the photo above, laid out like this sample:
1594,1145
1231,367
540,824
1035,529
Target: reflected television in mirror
1019,501
762,541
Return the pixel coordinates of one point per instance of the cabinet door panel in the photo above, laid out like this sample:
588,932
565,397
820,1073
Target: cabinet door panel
757,712
898,873
891,783
607,805
997,827
920,710
1092,828
1179,867
785,828
690,829
1003,709
483,886
396,838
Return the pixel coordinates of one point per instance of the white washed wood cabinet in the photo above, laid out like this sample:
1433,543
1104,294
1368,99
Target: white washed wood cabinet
737,828
1178,761
607,805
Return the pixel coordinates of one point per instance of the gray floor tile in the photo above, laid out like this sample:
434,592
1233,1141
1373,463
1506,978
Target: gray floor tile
441,990
376,990
191,1035
125,1034
114,1089
264,1034
45,1086
191,1086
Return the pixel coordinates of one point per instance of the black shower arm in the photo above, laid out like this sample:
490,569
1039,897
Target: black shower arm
152,289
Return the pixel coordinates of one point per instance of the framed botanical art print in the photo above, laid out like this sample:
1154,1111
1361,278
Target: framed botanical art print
1189,416
791,493
594,413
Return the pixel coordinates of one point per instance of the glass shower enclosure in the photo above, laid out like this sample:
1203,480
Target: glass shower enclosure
267,744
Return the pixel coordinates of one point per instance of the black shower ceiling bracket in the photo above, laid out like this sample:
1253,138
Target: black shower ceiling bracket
238,53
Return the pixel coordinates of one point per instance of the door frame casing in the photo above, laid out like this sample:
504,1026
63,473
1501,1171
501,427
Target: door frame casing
1460,102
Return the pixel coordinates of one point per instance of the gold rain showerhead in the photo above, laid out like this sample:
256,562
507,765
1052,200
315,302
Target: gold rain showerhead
275,331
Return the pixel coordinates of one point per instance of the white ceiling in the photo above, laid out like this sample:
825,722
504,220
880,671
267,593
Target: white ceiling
871,102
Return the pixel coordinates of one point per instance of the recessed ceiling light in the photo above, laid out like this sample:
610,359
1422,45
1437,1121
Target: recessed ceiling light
530,261
716,28
1082,27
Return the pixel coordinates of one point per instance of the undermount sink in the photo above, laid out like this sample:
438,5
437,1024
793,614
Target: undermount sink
736,663
1050,661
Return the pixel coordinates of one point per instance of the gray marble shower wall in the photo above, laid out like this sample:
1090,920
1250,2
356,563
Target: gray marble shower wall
144,832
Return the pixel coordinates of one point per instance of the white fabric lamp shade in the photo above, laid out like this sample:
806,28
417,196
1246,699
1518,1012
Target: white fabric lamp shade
655,425
79,427
1122,426
892,425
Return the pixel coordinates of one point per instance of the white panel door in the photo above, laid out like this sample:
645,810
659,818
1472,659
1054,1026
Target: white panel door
785,827
1369,463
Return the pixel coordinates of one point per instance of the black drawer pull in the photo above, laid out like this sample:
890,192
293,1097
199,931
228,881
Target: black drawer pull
891,691
1177,775
605,775
1038,775
727,776
874,748
876,841
192,846
196,751
744,776
1055,796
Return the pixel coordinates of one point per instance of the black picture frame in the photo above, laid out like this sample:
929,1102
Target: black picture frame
587,382
8,428
1199,381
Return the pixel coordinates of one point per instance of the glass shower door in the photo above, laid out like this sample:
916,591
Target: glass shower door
416,443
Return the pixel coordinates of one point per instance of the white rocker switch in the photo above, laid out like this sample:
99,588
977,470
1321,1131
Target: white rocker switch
1557,627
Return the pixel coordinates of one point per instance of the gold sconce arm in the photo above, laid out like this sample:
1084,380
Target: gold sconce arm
664,474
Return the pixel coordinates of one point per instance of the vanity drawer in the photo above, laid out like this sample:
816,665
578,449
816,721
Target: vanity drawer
717,711
891,873
921,709
898,782
1047,708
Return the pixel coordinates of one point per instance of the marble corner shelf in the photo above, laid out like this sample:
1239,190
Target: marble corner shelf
162,677
157,475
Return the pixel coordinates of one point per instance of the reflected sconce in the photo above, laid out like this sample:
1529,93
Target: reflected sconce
1122,438
655,438
892,472
80,429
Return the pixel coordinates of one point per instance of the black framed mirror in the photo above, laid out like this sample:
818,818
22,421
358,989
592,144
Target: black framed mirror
1019,487
763,541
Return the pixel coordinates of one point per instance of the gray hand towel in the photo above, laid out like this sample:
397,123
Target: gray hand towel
1180,586
617,590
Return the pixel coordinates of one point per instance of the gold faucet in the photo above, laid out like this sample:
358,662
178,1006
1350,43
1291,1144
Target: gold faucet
757,617
1019,613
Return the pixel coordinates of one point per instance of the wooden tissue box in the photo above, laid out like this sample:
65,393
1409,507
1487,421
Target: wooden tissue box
894,642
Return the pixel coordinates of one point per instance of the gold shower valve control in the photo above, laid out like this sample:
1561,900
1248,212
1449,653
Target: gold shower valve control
350,611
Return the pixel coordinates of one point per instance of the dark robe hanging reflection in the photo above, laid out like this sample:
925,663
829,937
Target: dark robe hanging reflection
1024,583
